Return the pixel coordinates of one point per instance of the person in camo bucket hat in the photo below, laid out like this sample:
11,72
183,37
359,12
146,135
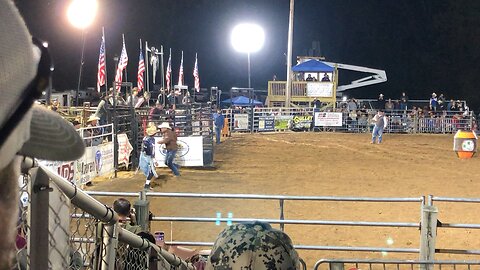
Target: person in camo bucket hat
253,246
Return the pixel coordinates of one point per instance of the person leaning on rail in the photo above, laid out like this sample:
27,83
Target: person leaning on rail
25,130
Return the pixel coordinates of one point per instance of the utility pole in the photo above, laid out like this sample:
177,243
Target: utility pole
289,56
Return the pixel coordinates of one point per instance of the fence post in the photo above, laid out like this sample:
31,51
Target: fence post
39,192
282,217
110,241
428,234
142,211
134,127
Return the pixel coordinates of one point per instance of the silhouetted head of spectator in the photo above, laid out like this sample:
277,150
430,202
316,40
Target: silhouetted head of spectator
253,246
122,207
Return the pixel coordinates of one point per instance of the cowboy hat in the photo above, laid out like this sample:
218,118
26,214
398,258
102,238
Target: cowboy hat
164,125
151,130
92,118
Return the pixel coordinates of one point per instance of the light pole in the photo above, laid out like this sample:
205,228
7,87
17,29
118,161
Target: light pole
81,14
247,38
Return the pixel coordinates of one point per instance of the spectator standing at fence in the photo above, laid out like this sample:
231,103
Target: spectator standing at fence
442,102
156,112
403,101
169,138
133,98
26,129
380,102
218,121
380,121
352,105
92,131
433,102
389,105
147,155
309,78
126,215
102,110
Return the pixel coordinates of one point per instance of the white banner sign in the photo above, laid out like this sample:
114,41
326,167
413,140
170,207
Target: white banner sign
65,169
189,153
320,89
241,122
124,149
328,119
97,161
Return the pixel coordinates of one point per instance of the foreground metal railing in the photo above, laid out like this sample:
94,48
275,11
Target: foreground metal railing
106,240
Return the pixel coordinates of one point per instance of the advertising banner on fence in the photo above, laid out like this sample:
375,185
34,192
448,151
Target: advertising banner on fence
281,121
266,123
320,89
328,119
97,161
65,169
301,123
189,153
124,149
241,122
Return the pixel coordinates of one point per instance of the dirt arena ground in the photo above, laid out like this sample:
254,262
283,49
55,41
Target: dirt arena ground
324,164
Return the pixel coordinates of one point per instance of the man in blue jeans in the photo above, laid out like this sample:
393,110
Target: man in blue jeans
170,141
218,121
380,121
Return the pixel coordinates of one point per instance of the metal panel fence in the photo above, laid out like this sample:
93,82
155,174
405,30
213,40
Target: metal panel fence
354,121
339,264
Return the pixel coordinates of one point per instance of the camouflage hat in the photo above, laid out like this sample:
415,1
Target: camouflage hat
253,246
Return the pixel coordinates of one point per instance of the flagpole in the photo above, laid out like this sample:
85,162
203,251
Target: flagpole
161,66
171,72
147,84
195,89
105,52
126,75
143,58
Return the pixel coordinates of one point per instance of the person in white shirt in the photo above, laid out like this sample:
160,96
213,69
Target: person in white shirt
380,121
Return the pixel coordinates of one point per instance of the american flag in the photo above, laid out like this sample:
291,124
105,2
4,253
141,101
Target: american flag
141,70
195,75
101,66
169,71
122,64
180,73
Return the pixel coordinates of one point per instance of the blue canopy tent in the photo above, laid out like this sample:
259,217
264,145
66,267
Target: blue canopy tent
312,66
242,101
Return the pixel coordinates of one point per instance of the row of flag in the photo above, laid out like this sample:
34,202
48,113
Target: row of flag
122,65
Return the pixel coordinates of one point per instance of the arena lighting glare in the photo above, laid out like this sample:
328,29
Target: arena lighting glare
344,98
247,38
81,13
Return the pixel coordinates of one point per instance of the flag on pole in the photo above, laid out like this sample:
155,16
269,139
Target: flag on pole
141,70
122,64
195,75
101,78
180,73
169,71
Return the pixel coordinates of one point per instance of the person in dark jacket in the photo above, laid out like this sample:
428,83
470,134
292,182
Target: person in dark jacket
218,121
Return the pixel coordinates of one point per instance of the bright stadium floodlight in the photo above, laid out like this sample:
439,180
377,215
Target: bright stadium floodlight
81,13
247,38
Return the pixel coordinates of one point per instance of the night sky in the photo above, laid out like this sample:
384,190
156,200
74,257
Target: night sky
425,46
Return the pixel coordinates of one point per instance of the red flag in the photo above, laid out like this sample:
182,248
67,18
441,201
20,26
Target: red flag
195,75
122,64
180,73
169,71
101,66
141,70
